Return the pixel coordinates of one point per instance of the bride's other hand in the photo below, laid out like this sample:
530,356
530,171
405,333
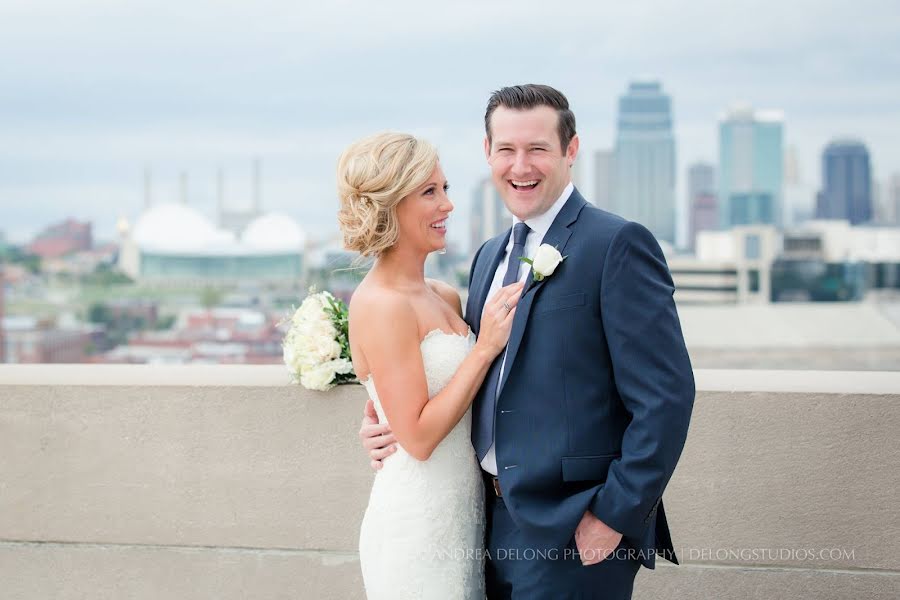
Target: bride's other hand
497,318
377,438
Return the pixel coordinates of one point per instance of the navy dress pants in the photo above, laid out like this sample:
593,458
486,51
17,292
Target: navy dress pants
518,572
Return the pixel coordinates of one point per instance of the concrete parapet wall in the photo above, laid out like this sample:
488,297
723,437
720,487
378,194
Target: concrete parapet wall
223,482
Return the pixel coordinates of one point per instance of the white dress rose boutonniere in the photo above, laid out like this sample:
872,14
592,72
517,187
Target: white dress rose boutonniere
545,261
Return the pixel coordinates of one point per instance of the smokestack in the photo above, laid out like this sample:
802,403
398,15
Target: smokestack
183,179
257,187
148,188
220,194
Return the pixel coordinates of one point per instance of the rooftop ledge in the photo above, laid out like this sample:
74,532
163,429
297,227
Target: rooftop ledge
707,380
228,482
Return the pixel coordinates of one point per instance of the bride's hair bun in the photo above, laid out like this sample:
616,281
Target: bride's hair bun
373,175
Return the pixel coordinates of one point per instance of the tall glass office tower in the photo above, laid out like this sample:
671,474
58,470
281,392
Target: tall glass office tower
846,183
645,159
751,167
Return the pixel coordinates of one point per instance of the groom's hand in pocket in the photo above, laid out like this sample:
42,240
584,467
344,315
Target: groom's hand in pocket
377,438
595,540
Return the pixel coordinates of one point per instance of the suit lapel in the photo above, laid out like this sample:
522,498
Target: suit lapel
557,236
493,255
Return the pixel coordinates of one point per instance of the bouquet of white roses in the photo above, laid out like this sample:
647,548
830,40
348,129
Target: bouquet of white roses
316,346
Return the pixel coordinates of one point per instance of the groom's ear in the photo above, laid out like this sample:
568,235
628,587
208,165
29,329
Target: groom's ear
572,150
487,148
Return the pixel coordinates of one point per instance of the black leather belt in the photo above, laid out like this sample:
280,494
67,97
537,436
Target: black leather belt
493,483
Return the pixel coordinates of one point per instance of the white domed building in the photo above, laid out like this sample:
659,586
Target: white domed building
273,232
174,242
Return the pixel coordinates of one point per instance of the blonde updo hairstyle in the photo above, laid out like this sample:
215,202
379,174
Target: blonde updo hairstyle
373,175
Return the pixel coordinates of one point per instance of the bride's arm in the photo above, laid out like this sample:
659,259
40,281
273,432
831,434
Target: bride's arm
388,336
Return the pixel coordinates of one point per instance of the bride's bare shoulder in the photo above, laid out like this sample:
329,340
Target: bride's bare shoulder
381,322
372,301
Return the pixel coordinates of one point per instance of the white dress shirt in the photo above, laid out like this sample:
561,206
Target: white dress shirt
539,226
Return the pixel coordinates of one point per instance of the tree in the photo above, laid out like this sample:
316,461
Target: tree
211,297
99,313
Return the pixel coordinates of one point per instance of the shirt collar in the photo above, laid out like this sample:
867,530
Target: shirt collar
541,223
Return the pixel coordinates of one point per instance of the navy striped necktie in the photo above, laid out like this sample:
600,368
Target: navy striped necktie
520,234
483,430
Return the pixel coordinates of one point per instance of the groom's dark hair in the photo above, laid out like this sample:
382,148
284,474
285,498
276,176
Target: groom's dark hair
532,95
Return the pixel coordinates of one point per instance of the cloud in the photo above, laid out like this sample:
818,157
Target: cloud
98,89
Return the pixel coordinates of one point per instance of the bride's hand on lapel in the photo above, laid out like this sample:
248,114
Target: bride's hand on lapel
497,319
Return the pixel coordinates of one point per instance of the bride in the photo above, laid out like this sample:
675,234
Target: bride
423,532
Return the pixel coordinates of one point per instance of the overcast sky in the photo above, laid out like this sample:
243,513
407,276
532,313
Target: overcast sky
93,91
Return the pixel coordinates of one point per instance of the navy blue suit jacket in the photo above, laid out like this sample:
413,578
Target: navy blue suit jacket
597,392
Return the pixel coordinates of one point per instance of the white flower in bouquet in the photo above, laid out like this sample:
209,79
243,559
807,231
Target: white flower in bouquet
290,357
317,377
312,312
321,376
316,346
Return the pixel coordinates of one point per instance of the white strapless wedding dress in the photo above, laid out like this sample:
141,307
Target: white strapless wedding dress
422,536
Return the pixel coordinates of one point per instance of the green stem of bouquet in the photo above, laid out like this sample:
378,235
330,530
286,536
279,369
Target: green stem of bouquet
340,318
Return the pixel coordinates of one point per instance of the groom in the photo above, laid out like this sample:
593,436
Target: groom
579,424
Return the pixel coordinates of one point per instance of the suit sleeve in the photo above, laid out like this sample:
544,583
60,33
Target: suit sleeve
653,376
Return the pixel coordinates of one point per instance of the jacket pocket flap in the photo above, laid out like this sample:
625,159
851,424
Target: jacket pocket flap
587,468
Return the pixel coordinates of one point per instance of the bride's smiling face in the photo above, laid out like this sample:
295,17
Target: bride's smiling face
422,215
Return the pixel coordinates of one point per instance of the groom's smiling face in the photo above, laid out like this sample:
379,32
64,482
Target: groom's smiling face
528,164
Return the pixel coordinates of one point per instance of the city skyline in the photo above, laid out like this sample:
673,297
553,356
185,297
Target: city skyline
97,96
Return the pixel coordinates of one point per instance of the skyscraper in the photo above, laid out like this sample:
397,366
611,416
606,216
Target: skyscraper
645,159
846,183
799,194
751,167
488,216
604,184
578,172
892,200
702,201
